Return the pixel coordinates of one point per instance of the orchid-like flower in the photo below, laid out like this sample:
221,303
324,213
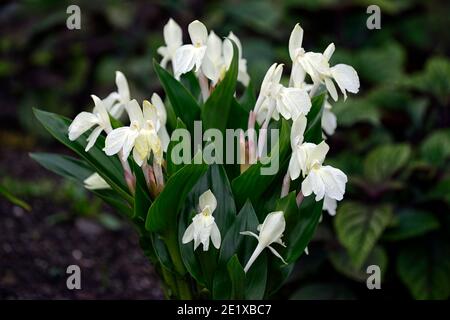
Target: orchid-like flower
270,232
84,121
141,135
318,67
190,55
203,226
162,117
95,182
173,37
329,121
116,101
307,158
275,99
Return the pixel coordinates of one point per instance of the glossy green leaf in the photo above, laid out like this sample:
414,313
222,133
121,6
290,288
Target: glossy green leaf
181,100
142,199
425,270
217,108
386,160
359,227
411,223
171,166
436,148
313,132
237,278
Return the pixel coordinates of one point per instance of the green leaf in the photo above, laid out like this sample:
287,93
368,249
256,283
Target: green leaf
323,291
342,262
182,101
217,108
384,161
237,278
163,213
313,132
13,199
251,184
411,223
190,81
78,170
358,228
171,166
436,148
300,224
142,199
235,243
109,168
238,116
201,265
425,270
248,99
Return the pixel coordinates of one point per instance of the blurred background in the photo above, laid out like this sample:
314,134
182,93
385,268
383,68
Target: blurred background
392,140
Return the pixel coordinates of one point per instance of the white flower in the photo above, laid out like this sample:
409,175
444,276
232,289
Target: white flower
318,67
190,55
116,101
270,232
141,135
243,76
329,121
329,205
203,226
214,66
95,182
276,99
307,158
173,38
84,121
162,116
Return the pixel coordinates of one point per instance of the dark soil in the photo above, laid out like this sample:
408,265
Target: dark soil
34,254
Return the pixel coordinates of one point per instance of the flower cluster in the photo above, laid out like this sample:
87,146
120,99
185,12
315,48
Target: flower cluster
144,139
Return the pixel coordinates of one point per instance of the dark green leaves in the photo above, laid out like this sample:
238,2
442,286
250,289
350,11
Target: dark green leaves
182,101
217,108
358,228
411,223
162,215
313,132
237,278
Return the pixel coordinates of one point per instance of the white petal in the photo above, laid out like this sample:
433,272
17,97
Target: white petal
199,55
116,139
236,40
331,88
137,157
214,47
82,123
198,32
160,107
346,78
277,254
297,101
319,152
297,74
266,81
277,74
330,205
210,70
95,182
329,122
135,112
334,180
215,236
295,41
318,185
92,138
110,100
329,51
249,233
122,87
272,228
294,168
150,114
100,108
184,60
173,35
298,131
164,137
188,235
307,186
227,52
208,199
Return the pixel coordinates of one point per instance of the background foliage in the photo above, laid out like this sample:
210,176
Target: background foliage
393,139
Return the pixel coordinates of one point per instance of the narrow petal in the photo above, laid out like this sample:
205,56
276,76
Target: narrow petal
100,108
307,186
95,182
173,35
82,123
319,152
135,112
214,47
249,233
93,137
122,87
150,113
188,235
297,131
329,51
164,137
294,167
215,236
277,254
138,158
160,107
199,55
184,60
329,122
331,88
295,41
